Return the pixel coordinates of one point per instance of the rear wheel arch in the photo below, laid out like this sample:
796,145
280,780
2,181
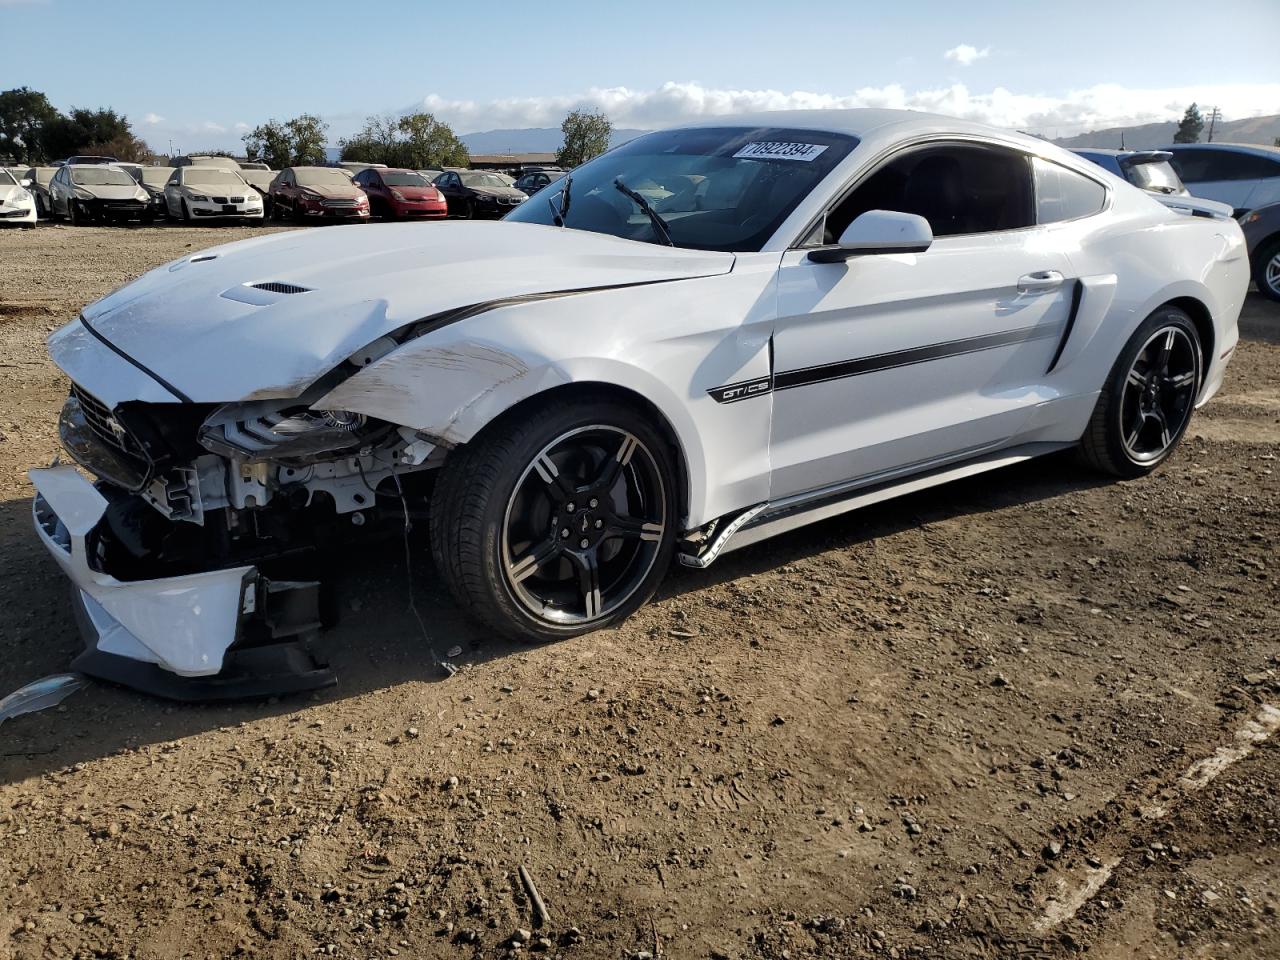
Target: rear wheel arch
1202,319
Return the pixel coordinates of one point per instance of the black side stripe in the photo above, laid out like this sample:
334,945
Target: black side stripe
429,324
124,356
806,376
1077,292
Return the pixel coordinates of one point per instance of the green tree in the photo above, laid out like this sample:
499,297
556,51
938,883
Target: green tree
428,142
1190,126
416,140
125,147
294,143
23,115
81,129
377,142
586,135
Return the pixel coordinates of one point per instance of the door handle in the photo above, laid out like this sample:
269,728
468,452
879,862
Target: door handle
1040,281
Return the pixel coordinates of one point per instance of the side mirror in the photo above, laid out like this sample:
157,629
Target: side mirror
25,182
878,231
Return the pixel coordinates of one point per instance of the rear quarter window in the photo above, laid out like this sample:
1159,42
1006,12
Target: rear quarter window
1063,194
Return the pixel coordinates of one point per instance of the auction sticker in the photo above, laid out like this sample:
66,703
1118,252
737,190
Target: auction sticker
775,150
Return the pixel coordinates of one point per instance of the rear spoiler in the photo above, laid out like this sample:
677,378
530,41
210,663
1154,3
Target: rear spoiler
1196,206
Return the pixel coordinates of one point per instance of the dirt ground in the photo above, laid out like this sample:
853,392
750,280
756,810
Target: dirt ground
1027,715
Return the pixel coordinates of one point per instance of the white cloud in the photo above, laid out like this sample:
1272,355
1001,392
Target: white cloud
965,54
241,125
1076,111
1103,105
152,119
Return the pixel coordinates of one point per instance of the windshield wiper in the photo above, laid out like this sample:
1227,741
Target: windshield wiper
560,214
659,225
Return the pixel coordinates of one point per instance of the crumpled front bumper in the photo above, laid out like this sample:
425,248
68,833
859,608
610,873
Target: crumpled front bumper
184,624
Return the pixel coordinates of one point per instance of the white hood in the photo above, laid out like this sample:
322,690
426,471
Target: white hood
110,191
200,325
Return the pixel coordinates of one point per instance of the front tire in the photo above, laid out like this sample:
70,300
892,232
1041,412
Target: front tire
1147,401
1266,269
557,521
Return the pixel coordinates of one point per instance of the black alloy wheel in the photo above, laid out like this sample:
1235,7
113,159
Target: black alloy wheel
583,525
558,521
1147,403
1159,392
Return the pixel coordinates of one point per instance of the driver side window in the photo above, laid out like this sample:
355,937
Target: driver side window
960,188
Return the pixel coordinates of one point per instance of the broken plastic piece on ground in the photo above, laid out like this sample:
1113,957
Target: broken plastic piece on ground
40,694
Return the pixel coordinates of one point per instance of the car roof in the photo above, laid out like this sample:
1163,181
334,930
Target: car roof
1256,149
886,127
856,122
1150,155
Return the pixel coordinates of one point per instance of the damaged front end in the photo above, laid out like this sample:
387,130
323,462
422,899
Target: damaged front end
195,552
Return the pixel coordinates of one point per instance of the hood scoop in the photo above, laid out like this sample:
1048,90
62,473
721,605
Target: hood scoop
262,294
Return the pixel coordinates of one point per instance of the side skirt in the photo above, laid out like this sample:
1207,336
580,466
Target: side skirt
771,519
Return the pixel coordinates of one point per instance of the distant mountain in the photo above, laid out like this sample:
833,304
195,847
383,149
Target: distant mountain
1147,136
529,140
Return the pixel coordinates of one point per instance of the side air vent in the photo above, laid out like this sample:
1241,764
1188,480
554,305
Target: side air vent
205,257
273,286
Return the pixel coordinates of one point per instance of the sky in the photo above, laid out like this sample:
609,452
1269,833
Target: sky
200,73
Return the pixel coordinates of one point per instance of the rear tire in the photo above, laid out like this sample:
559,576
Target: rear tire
1148,399
558,521
1266,269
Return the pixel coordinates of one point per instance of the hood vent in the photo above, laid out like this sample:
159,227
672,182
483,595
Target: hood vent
275,286
263,294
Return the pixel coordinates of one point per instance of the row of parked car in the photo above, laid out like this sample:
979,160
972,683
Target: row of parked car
100,189
1244,177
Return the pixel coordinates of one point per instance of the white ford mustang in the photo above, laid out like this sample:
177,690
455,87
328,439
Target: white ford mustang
700,339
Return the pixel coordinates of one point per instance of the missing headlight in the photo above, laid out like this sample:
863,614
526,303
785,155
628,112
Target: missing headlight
276,430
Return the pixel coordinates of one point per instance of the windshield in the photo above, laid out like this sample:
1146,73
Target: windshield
404,179
322,177
482,180
100,177
1158,176
6,178
211,177
716,188
156,176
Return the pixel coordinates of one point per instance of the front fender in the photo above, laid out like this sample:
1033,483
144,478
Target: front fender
669,343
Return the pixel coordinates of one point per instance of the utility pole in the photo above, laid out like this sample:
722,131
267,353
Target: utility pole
1214,116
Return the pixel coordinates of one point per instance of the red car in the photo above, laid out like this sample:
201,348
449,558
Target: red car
400,194
313,193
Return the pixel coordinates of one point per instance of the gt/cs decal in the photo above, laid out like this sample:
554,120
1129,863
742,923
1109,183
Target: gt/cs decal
733,392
